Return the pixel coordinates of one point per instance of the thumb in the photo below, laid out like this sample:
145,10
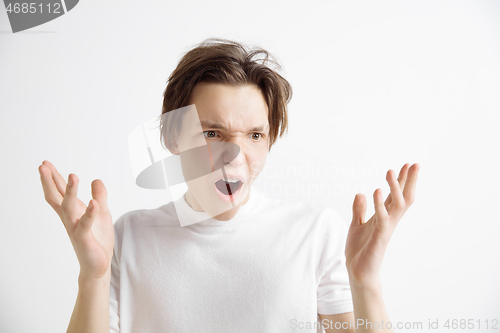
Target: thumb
88,218
358,210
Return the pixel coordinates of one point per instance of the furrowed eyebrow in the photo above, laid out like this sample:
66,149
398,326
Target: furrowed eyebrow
209,124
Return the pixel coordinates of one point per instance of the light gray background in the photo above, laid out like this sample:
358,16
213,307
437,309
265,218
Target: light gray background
377,84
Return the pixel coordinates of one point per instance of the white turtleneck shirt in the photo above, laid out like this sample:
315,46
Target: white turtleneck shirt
272,268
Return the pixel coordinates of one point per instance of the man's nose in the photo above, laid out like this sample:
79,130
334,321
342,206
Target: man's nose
233,154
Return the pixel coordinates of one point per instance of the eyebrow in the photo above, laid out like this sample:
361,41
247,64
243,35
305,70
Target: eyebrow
209,124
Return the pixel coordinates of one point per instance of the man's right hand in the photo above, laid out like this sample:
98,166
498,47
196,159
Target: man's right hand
90,229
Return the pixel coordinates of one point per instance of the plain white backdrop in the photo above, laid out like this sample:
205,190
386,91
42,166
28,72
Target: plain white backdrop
376,84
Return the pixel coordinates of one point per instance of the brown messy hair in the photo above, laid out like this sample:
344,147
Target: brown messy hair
218,60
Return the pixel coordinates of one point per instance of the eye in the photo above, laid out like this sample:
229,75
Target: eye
257,136
210,134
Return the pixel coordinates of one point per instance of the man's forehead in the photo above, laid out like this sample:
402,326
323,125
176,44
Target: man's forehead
216,124
194,120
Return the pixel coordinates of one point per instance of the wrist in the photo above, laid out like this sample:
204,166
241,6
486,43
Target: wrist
367,284
90,281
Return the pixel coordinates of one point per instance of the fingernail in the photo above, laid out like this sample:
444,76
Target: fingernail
70,182
90,205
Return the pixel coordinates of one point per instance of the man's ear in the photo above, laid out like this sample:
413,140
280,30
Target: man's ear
174,150
172,146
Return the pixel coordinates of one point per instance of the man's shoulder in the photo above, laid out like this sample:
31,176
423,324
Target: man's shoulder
300,211
164,214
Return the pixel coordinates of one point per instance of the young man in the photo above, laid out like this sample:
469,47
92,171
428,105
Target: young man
237,260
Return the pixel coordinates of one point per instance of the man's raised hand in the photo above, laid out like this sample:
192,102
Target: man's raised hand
90,229
367,241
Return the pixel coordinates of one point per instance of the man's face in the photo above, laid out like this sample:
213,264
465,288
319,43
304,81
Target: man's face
227,114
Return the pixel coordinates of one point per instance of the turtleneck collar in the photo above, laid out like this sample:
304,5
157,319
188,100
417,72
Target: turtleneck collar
188,216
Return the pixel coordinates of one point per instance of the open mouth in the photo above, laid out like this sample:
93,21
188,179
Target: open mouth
228,187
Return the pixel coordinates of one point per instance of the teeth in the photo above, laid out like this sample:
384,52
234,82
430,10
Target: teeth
231,180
